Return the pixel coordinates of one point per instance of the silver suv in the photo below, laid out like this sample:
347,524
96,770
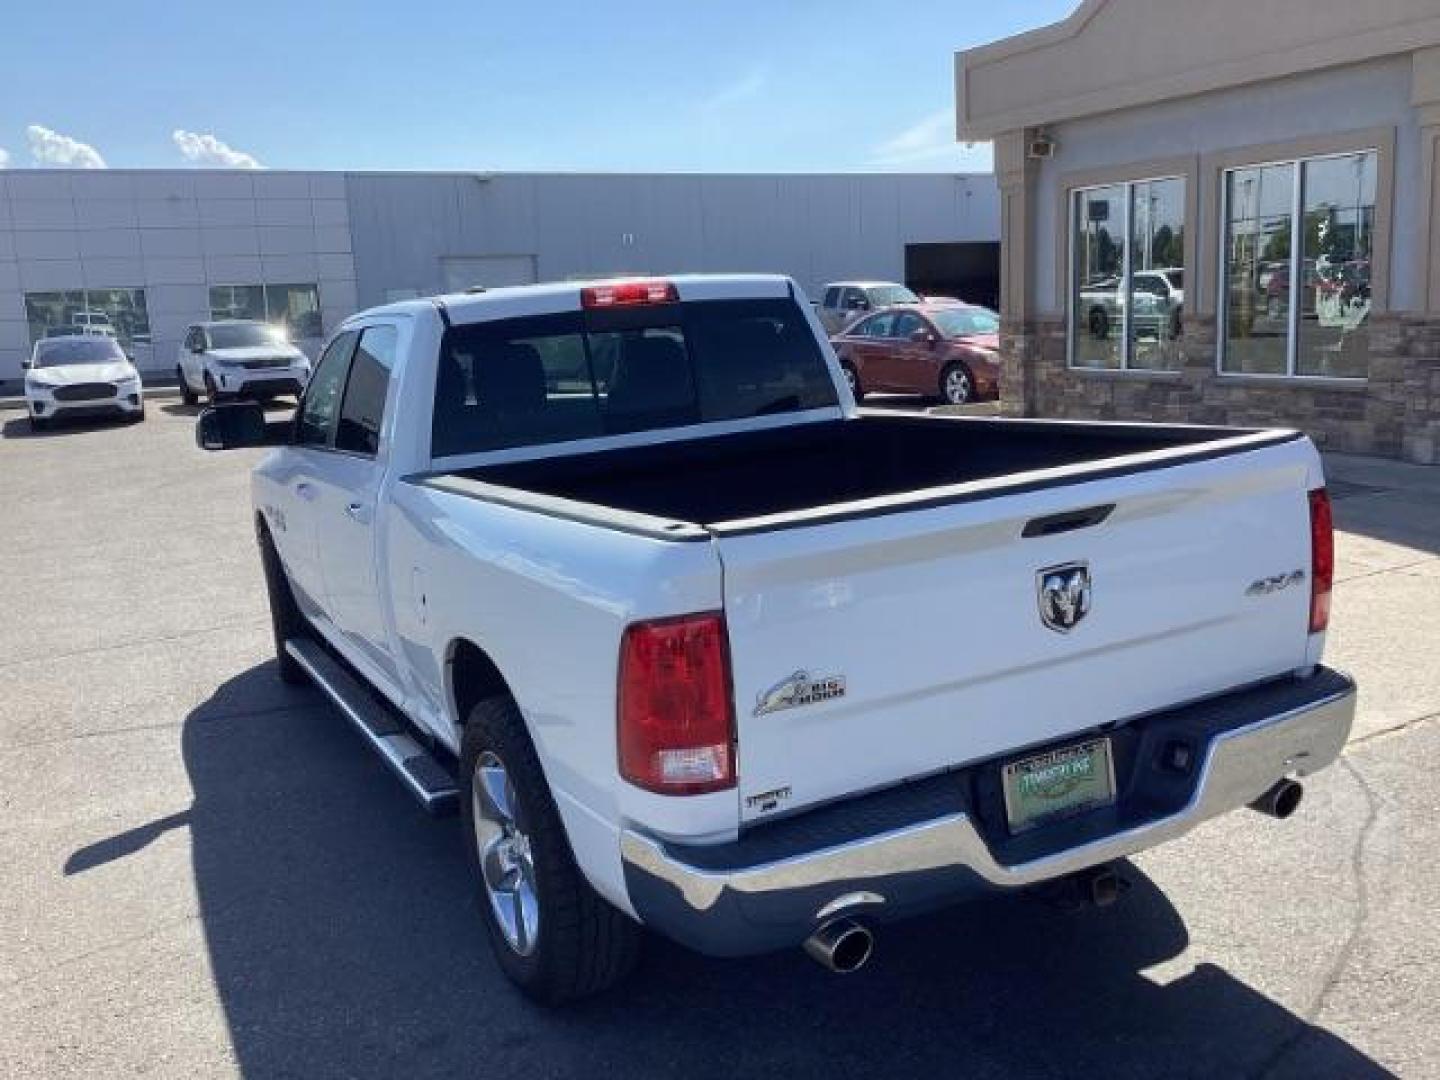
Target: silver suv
846,301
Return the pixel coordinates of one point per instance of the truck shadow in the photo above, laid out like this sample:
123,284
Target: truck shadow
1394,515
343,942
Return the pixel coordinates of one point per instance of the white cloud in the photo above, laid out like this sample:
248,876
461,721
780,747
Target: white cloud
51,148
742,89
206,149
4,158
929,140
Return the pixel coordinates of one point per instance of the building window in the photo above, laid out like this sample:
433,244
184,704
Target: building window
118,311
1299,308
1127,278
237,302
295,307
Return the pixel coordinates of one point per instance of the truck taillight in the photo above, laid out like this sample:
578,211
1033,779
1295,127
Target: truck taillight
1322,559
628,294
676,726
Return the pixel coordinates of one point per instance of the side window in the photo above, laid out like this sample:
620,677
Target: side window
879,326
322,397
363,406
906,324
832,297
194,338
853,300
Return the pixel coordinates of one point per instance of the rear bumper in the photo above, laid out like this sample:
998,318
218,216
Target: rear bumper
935,842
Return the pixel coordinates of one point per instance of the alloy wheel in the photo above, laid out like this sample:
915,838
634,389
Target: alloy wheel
957,386
507,864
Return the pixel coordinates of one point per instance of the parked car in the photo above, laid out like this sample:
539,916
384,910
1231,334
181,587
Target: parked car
950,351
846,301
705,649
79,330
239,358
1159,304
81,375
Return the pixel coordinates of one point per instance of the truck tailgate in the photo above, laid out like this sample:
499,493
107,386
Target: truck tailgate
888,646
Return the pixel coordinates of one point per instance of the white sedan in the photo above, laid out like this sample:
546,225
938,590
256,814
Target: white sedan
85,375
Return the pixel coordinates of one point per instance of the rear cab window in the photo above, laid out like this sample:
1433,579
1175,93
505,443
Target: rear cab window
577,375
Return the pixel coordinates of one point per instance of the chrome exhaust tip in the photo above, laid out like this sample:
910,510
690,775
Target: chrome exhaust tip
1280,801
841,945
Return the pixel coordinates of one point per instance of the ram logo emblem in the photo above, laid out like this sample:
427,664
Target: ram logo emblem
1064,595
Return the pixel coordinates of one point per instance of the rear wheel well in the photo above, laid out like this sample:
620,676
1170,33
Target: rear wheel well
473,678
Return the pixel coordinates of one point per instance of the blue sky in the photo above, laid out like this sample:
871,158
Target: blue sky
624,85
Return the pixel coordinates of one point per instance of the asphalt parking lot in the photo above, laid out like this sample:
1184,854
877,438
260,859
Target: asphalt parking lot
207,874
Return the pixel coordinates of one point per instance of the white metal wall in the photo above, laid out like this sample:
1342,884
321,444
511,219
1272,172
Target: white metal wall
819,228
365,238
172,233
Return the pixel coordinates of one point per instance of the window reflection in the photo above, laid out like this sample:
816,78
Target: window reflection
237,302
1339,217
1147,218
1257,268
118,313
1099,251
1299,308
1157,275
294,307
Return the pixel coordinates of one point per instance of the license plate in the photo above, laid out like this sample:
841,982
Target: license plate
1058,783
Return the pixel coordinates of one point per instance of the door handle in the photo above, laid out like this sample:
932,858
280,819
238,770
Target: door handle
1067,522
359,511
305,490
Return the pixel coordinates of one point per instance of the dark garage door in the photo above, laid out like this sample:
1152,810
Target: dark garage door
969,272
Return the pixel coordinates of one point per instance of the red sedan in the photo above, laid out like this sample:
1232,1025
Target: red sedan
945,350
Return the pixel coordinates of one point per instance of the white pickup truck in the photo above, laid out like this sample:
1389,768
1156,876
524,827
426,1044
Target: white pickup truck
620,571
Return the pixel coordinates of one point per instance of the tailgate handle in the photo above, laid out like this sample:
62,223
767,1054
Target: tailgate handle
1069,521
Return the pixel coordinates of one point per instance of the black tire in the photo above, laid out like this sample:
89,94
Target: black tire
948,392
1099,324
39,423
286,620
853,378
582,945
137,417
211,390
187,395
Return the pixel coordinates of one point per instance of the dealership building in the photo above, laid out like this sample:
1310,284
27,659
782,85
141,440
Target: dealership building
1221,215
151,251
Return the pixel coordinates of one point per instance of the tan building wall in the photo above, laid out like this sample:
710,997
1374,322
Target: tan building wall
1128,90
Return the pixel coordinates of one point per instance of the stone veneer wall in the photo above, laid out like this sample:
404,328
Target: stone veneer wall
1394,413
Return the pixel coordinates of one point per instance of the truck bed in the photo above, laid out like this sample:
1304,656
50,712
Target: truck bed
798,468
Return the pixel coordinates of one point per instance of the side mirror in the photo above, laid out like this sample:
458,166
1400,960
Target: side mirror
922,337
237,425
24,365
